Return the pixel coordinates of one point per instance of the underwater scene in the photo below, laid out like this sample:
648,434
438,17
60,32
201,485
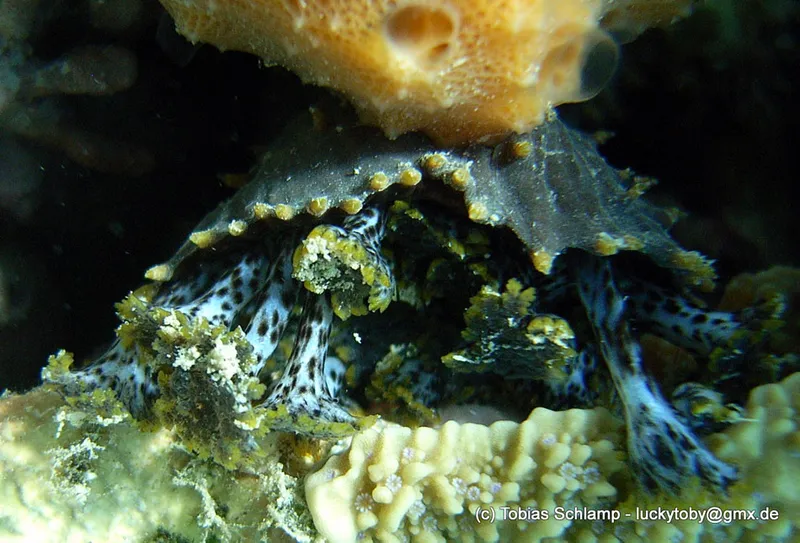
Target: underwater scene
399,271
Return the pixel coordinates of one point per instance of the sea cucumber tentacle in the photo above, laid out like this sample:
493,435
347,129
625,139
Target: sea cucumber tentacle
117,369
677,320
227,296
273,311
302,388
663,449
347,262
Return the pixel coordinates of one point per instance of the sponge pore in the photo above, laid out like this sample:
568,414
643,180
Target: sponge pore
423,33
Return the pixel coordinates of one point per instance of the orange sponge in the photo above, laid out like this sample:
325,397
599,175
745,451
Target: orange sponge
458,70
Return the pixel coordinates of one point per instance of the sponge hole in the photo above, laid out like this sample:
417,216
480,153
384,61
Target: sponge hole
422,32
580,67
600,56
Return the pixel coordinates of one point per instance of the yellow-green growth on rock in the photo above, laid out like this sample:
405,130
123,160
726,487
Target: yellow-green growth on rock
389,385
280,419
72,473
206,387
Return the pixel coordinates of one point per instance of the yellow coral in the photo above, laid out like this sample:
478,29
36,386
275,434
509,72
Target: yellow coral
765,447
429,483
459,70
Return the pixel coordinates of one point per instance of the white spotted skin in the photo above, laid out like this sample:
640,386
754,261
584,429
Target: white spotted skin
677,320
334,372
424,385
653,309
576,390
180,292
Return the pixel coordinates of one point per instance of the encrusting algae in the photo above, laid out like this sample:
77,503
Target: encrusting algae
289,365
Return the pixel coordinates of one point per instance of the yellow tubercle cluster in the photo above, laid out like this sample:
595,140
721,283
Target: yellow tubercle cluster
504,335
328,260
395,483
458,70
